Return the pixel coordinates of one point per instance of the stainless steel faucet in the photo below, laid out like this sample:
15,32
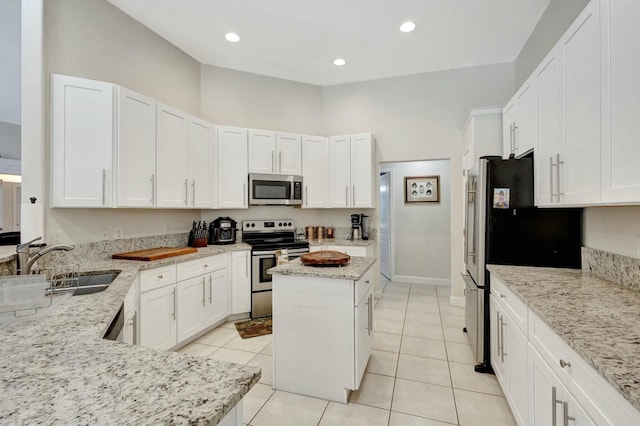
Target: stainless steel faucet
26,259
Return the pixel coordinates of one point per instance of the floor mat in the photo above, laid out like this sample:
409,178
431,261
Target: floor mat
255,327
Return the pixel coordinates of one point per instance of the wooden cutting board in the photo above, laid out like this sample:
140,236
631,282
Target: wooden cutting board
325,258
155,253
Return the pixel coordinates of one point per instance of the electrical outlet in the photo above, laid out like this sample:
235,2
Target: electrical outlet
104,232
56,236
118,233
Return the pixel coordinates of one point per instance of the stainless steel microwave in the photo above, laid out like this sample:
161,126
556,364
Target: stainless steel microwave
265,189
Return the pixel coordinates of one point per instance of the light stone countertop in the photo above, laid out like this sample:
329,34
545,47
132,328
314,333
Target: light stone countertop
337,242
354,270
59,370
7,253
596,318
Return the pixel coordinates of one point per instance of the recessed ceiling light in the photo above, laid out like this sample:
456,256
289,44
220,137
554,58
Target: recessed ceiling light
232,37
407,27
339,62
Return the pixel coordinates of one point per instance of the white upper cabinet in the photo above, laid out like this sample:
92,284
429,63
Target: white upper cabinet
82,142
232,173
579,165
136,142
340,171
275,153
351,171
262,151
201,164
362,170
519,121
621,99
172,159
547,151
315,171
289,154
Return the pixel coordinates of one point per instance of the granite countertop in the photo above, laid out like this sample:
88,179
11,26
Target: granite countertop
596,318
354,270
337,242
58,370
7,253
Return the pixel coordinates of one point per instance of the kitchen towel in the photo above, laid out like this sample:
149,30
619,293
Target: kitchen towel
32,222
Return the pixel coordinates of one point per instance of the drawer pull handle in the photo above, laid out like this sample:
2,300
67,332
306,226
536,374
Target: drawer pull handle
160,277
503,296
564,363
206,266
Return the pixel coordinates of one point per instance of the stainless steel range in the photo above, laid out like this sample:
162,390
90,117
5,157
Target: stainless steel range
265,238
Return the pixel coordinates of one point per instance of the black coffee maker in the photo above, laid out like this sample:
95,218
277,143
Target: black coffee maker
222,231
359,227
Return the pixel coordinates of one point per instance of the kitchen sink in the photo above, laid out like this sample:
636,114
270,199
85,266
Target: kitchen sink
95,282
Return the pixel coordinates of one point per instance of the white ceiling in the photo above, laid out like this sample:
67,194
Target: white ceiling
298,39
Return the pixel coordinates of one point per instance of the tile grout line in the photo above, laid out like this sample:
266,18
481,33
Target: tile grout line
455,403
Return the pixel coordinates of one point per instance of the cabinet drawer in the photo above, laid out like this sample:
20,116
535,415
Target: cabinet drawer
157,277
363,284
513,306
193,268
600,400
350,250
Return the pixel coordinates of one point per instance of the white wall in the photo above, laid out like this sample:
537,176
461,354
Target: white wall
94,39
613,229
237,98
10,61
554,22
420,117
421,232
10,140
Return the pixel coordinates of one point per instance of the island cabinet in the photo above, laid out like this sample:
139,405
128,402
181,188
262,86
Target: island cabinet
322,333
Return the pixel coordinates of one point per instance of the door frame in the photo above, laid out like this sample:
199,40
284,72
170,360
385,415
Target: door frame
384,170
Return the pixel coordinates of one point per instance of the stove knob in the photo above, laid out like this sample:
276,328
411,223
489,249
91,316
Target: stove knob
289,223
253,225
280,224
248,225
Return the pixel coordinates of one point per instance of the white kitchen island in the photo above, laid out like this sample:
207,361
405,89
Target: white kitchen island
322,327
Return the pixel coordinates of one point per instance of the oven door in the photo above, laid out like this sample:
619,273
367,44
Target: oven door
262,261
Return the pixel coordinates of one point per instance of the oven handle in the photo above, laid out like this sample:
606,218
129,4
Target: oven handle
273,252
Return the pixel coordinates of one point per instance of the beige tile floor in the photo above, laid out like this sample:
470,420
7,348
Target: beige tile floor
420,372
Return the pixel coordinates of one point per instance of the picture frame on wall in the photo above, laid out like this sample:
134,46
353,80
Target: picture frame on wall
422,189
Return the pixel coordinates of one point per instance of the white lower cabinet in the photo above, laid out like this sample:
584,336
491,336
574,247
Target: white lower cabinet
158,318
191,300
240,282
130,327
509,358
363,332
172,312
544,381
550,403
217,304
233,417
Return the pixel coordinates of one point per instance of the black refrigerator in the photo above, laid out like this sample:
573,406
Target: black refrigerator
504,227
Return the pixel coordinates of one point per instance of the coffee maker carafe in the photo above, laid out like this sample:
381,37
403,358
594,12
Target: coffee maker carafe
356,227
364,226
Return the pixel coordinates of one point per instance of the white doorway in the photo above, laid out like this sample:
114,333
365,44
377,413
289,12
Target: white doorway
385,223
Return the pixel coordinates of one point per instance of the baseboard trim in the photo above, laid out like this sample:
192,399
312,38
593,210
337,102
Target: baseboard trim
421,280
456,301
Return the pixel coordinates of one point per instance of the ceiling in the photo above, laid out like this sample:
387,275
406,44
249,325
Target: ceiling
299,39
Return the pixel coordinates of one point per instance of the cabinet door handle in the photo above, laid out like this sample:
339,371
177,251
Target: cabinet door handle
346,195
551,166
503,296
353,195
244,194
173,314
564,363
498,345
135,327
186,192
204,291
246,265
558,176
104,183
515,145
566,417
273,161
210,289
153,188
193,192
554,401
306,195
369,314
280,161
503,324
